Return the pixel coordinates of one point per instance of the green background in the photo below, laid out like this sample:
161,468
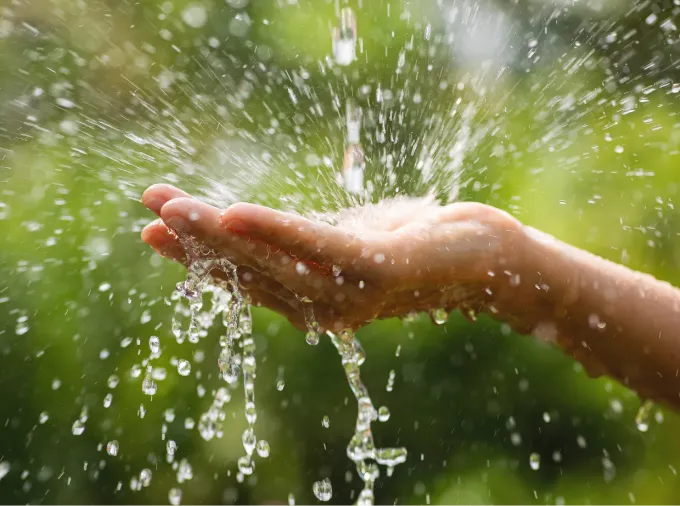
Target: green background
571,125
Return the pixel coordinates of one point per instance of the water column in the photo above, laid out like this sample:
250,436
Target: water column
344,53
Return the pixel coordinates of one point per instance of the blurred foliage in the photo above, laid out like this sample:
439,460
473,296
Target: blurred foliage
565,115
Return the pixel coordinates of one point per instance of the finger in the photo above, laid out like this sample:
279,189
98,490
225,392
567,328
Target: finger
157,235
157,195
203,222
304,239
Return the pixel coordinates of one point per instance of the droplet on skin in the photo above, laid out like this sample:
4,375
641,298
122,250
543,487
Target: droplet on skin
323,490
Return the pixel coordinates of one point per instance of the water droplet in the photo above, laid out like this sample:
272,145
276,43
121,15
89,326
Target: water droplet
291,500
44,416
535,461
112,448
546,417
175,496
149,386
280,385
642,417
439,316
249,440
240,24
108,399
323,490
246,465
154,344
78,428
145,477
184,471
183,367
195,16
325,422
113,381
263,448
383,414
312,338
4,469
171,447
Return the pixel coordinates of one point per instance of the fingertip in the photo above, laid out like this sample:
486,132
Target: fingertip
157,195
192,216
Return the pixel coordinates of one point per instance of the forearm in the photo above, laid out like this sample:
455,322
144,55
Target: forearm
612,319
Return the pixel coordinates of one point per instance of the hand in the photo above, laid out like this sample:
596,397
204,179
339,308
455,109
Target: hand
377,261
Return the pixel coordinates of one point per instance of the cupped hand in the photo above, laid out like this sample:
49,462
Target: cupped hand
376,261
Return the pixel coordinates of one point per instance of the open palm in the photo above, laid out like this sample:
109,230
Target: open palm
374,262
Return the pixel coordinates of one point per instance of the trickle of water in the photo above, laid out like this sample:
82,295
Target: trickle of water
312,336
361,449
323,490
345,38
227,303
643,414
112,448
175,496
535,461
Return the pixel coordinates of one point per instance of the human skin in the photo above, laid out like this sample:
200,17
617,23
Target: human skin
417,257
